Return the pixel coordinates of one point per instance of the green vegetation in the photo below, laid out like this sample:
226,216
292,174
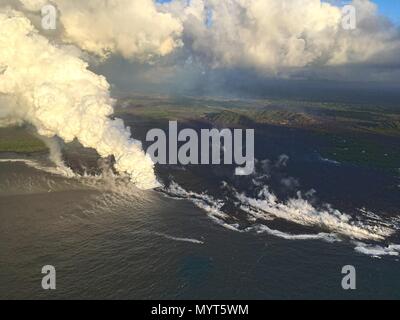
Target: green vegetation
284,118
358,134
19,140
319,117
229,118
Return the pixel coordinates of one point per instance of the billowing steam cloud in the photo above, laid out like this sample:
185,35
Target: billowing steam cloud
51,88
275,35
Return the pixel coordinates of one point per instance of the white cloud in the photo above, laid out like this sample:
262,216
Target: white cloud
34,5
267,35
132,28
135,29
273,35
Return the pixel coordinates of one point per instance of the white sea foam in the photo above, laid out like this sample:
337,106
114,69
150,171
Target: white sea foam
330,161
287,236
377,251
194,241
301,212
211,206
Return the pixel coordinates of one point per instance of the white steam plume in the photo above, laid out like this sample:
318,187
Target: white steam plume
56,157
52,88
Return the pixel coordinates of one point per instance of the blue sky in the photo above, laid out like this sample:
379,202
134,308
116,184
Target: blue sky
390,8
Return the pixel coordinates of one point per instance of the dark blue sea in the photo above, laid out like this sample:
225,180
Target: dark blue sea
206,234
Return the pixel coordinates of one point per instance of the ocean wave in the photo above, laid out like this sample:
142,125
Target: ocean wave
211,206
377,251
330,161
61,170
168,237
328,237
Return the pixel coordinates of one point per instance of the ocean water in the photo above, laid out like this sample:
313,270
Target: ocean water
206,234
